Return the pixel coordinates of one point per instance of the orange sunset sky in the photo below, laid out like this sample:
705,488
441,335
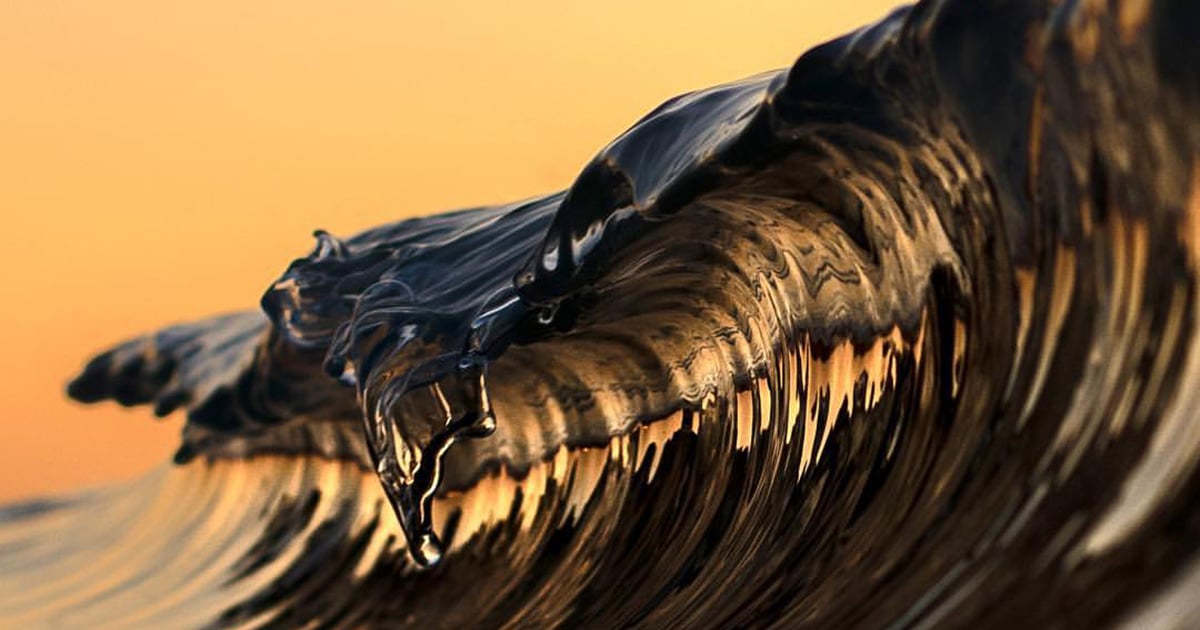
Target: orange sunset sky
164,160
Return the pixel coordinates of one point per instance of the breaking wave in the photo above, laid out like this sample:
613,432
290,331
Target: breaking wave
902,336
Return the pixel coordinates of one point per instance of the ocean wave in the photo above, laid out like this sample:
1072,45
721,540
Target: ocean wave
902,336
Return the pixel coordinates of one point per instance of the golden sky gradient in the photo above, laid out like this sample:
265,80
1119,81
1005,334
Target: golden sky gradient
164,160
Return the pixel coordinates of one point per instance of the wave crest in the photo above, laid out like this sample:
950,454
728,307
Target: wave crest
903,335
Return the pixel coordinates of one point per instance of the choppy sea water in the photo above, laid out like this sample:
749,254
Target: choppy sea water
902,336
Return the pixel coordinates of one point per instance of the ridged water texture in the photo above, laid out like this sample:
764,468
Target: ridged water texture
903,336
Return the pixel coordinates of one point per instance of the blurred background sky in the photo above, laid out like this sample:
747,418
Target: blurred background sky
164,160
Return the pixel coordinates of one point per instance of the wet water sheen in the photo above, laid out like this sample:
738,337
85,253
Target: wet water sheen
902,336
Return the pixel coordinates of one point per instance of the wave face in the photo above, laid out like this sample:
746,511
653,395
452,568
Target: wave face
903,336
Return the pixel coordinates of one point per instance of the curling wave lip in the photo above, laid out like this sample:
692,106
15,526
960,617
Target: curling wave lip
902,336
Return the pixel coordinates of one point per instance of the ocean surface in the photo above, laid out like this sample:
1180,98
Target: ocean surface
905,335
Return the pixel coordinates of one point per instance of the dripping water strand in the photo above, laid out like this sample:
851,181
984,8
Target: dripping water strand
412,499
